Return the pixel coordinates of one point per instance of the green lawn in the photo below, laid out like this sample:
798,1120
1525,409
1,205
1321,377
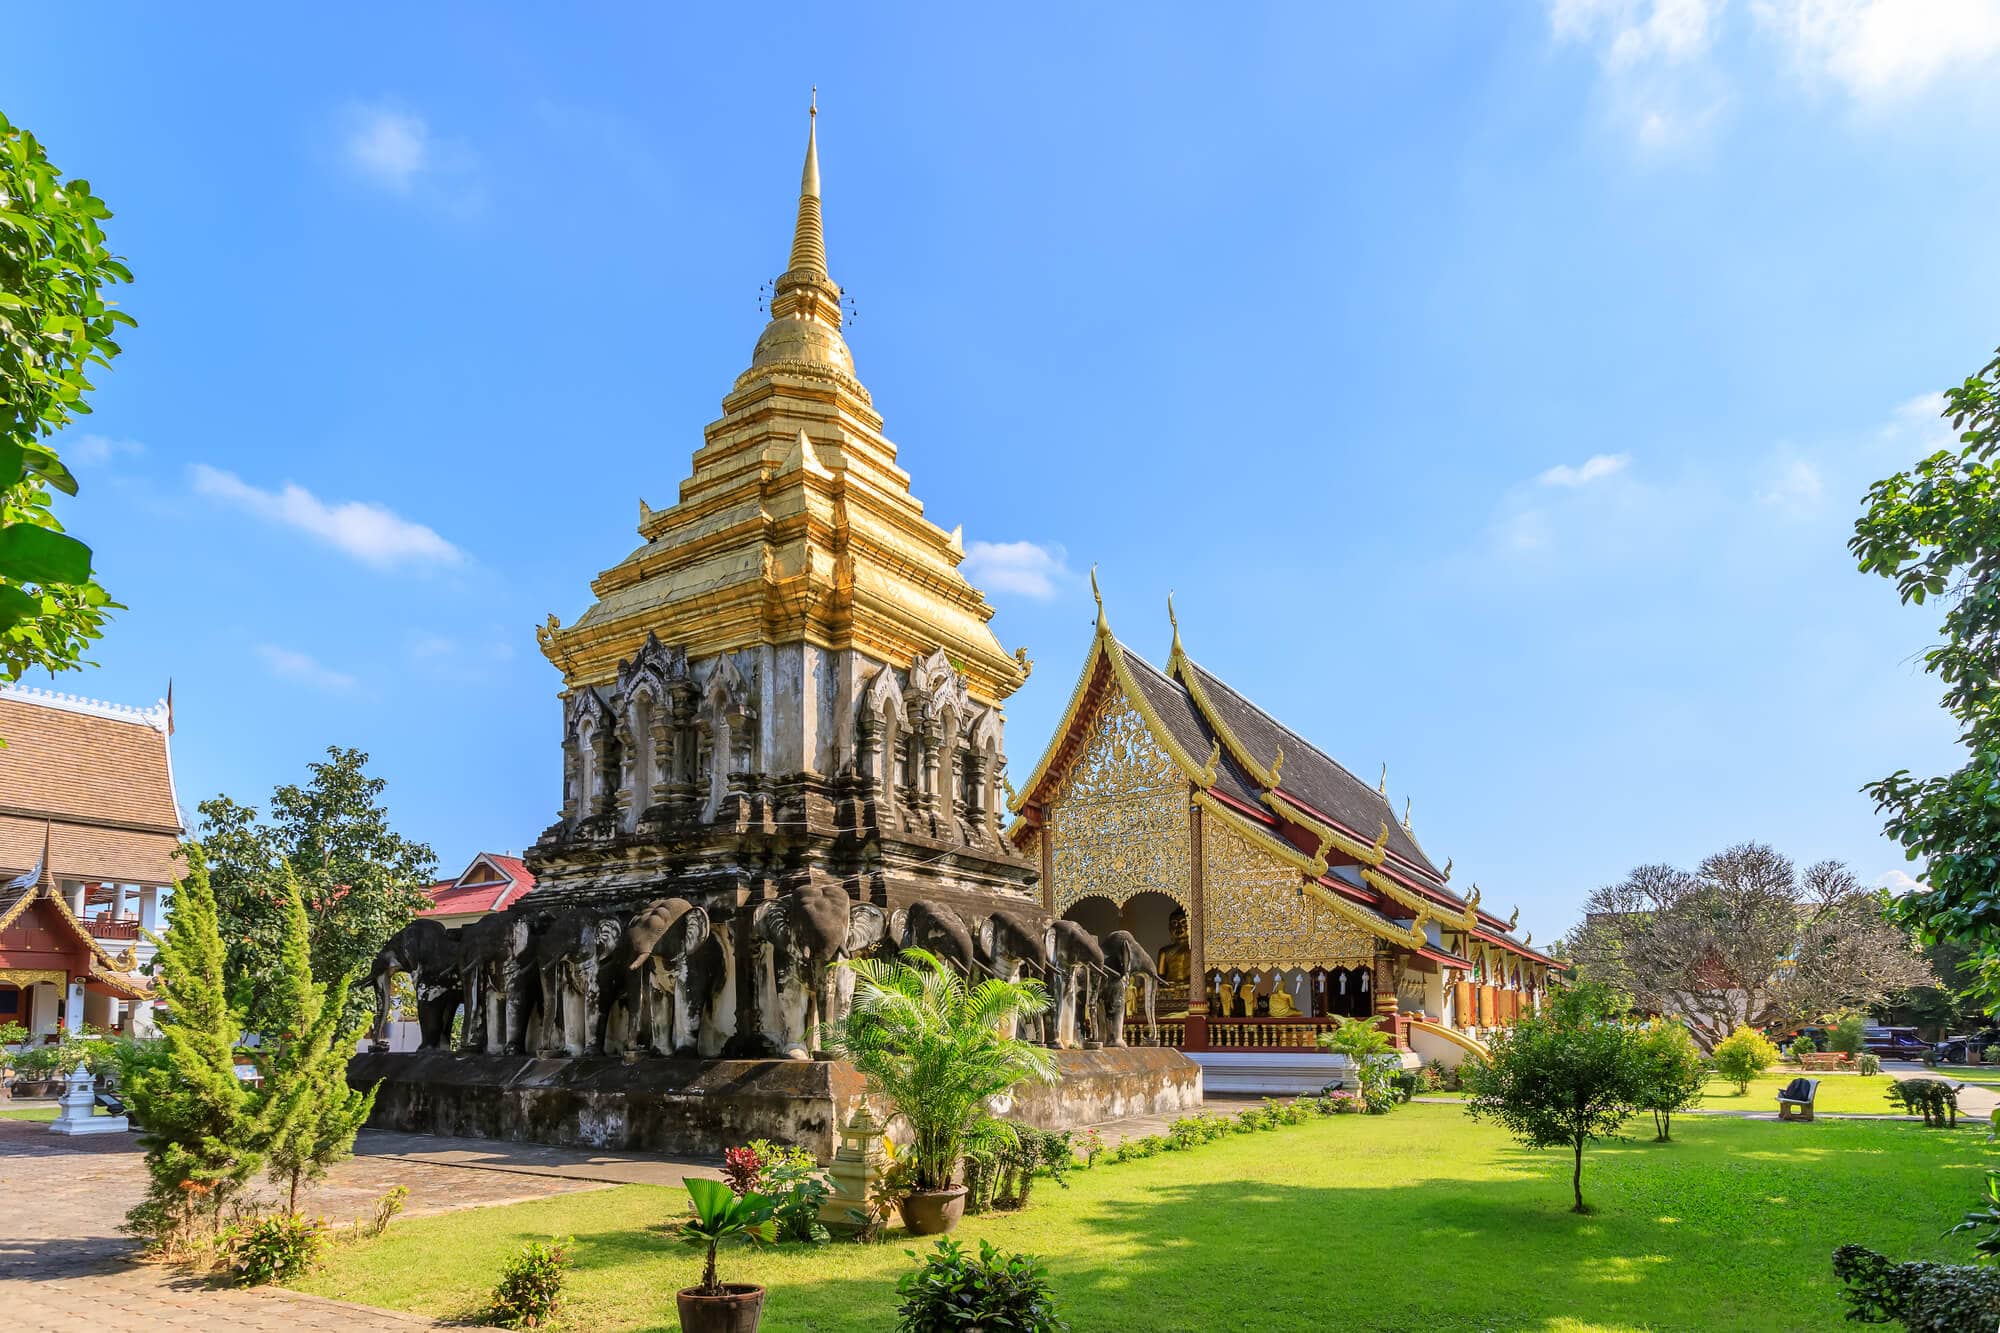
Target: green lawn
1420,1219
28,1113
1864,1094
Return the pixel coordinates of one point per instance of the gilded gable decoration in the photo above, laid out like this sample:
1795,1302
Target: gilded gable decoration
1118,818
1259,915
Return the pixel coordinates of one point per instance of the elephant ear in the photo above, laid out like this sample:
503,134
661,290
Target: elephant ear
987,937
866,928
1049,945
899,927
684,936
771,924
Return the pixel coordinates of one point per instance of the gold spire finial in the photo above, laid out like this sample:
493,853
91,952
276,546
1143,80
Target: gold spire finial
1515,919
1406,814
808,238
1103,625
1382,783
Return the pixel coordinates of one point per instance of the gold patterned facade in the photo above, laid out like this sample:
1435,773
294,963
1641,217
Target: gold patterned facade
1118,822
1257,914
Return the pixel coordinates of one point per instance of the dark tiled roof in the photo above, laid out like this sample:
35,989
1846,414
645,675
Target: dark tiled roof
1309,775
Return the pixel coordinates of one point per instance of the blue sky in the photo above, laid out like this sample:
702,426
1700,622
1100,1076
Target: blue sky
1494,385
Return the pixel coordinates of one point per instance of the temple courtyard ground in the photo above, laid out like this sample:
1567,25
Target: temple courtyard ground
1422,1218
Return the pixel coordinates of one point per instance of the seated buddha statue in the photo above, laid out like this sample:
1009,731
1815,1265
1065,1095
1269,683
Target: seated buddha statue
1282,1005
1174,961
1246,1000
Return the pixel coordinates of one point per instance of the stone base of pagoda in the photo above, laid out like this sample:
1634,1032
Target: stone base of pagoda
701,1107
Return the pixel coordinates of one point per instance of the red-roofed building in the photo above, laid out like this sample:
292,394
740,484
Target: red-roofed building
492,883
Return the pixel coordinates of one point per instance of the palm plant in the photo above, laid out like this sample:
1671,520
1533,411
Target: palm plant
933,1048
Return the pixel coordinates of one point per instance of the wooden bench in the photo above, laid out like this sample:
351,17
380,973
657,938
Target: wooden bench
1795,1099
1824,1060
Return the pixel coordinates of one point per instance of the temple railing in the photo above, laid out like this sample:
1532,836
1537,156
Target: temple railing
1195,1032
105,928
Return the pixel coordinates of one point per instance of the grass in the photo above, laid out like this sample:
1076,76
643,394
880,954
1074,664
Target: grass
29,1113
1420,1219
1864,1094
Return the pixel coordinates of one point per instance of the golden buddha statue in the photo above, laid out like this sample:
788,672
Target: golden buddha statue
1176,960
1282,1003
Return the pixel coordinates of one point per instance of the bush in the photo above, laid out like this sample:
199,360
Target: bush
530,1291
1846,1036
1932,1098
1868,1062
275,1248
388,1206
950,1292
1092,1147
1672,1073
1742,1055
1802,1046
1923,1297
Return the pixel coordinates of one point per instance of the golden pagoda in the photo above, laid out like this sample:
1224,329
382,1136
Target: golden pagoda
789,684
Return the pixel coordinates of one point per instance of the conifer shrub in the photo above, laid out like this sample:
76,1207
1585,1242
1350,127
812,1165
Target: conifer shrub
530,1291
1742,1055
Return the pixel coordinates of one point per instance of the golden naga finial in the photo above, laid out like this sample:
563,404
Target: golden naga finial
1528,939
1013,797
1027,662
546,634
1214,762
1103,625
1277,767
1447,870
1381,846
1515,919
1472,899
1382,783
1406,814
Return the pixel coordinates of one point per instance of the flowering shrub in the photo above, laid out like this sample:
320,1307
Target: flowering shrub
1092,1147
790,1176
742,1168
530,1291
275,1248
952,1291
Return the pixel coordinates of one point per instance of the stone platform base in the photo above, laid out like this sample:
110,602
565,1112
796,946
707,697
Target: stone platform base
700,1107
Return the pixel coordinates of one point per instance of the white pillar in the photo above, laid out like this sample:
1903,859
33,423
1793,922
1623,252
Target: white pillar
73,1006
149,907
74,894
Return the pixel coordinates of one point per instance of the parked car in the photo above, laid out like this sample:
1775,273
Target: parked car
1894,1043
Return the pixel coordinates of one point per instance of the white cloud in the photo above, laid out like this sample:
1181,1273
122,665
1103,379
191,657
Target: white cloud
1595,468
371,533
1895,881
1526,530
1797,488
1022,568
99,450
387,146
1885,49
302,667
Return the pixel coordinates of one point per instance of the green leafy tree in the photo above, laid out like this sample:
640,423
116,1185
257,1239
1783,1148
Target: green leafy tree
1742,1055
360,881
311,1113
1363,1042
1934,531
1672,1073
1847,1036
934,1048
54,325
201,1127
1561,1078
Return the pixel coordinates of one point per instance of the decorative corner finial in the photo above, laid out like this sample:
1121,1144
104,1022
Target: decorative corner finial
1472,899
546,634
1027,662
1173,620
1382,783
1277,767
1103,625
1528,938
1214,762
1447,870
812,107
1406,814
1381,847
1515,919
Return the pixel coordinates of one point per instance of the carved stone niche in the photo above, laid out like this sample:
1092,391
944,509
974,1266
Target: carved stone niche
729,720
590,764
655,704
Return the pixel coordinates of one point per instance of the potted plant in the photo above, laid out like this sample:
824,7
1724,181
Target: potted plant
934,1049
720,1214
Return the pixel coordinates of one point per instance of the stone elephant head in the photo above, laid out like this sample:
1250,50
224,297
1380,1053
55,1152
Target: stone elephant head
568,957
429,952
938,930
652,982
1013,951
1076,963
810,930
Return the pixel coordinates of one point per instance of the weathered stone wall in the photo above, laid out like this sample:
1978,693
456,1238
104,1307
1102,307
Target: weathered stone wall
700,1107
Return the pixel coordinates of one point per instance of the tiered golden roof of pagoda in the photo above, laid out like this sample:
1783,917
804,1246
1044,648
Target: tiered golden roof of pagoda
796,524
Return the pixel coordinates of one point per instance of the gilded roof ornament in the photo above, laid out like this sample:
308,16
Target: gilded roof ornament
546,634
1277,765
1207,774
645,515
1103,625
1027,662
1515,919
1382,783
1406,814
1472,899
1381,846
1173,620
1528,939
1447,870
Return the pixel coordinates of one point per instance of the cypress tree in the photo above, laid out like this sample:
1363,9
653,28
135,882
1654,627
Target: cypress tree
311,1113
199,1121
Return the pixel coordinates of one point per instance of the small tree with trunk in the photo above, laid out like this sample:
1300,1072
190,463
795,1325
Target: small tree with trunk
311,1113
1672,1073
1745,939
1562,1078
201,1126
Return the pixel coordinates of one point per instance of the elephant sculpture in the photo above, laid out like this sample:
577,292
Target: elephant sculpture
809,931
1012,952
428,951
938,930
1076,963
1126,962
493,979
568,958
651,982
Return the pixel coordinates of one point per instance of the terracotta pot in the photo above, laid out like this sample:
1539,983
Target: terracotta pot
932,1212
737,1310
